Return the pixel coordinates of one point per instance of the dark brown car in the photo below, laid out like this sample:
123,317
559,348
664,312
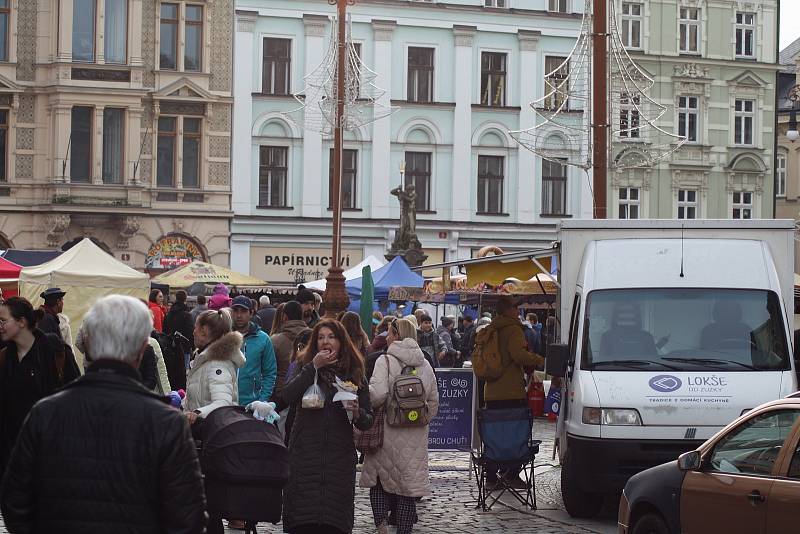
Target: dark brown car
745,479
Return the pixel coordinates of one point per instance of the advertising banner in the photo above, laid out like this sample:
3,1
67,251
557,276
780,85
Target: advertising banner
453,427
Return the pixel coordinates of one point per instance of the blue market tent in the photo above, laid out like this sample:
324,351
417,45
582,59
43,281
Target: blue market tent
394,273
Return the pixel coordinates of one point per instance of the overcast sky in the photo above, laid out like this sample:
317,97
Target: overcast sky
790,27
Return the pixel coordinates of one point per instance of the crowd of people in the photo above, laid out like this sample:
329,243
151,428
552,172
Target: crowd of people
117,430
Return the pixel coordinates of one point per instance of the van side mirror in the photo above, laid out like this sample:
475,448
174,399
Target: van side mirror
689,461
557,359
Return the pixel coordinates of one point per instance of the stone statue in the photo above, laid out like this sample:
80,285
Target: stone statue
406,243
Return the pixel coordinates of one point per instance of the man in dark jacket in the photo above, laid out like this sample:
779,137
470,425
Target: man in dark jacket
430,342
48,314
283,341
179,319
452,357
467,337
104,454
265,313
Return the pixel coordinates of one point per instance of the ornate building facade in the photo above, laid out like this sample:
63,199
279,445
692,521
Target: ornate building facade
714,64
460,76
787,168
115,124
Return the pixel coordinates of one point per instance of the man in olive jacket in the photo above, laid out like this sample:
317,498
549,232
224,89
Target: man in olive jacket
105,454
509,391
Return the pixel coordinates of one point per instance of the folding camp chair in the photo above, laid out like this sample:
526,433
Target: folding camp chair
506,444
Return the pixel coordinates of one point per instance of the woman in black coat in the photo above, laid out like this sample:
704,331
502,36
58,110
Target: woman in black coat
32,366
320,495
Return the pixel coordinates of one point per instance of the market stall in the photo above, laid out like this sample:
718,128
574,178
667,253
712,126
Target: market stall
9,278
86,273
198,273
353,273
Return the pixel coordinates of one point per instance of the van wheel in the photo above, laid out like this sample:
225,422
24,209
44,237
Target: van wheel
580,504
650,524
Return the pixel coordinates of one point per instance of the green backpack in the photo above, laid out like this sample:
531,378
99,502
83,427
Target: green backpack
487,362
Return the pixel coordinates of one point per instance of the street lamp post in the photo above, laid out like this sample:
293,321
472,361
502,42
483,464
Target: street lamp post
335,297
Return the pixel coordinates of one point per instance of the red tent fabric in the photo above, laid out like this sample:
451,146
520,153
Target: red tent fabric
9,278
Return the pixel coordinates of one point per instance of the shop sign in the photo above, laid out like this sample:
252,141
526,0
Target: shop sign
453,428
297,265
172,251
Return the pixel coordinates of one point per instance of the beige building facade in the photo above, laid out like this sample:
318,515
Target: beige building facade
115,122
787,166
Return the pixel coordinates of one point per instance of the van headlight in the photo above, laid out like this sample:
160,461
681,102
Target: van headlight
611,417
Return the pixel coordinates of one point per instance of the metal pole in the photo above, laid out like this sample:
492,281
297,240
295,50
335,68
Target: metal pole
600,123
336,299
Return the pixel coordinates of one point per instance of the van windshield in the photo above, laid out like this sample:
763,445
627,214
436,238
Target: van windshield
684,329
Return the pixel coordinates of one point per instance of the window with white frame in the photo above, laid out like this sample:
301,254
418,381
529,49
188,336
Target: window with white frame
494,3
176,52
178,156
745,34
629,119
557,6
554,187
629,202
5,17
688,117
689,30
490,184
780,176
556,86
687,204
420,74
743,121
632,24
742,205
349,177
493,79
272,176
276,66
418,173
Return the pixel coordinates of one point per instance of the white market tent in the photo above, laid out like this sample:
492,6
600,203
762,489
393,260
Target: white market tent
350,274
86,272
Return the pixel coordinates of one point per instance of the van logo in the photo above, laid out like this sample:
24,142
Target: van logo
665,383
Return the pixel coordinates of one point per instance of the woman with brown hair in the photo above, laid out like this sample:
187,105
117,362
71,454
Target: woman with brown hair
352,323
278,320
320,495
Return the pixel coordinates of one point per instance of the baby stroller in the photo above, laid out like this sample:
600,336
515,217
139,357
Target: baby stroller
245,467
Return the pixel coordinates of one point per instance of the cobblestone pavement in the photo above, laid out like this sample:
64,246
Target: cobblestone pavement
451,509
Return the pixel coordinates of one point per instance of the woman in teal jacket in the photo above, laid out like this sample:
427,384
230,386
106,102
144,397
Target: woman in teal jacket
257,377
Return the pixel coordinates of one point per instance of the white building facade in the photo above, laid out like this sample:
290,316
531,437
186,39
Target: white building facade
460,75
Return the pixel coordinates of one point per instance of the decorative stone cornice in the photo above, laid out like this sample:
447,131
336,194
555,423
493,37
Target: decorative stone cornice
528,40
315,25
690,70
383,29
246,21
464,35
55,225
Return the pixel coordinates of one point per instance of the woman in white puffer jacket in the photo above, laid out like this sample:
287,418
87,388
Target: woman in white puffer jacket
212,378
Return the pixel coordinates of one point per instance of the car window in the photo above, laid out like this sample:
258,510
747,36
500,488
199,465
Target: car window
794,467
753,447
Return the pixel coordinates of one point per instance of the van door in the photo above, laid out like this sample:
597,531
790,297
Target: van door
730,493
574,325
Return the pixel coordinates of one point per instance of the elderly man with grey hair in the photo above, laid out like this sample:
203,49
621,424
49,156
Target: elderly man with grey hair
104,454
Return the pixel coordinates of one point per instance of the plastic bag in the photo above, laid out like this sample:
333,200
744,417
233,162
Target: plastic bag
313,399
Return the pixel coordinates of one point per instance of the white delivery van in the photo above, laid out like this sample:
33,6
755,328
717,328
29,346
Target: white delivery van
670,330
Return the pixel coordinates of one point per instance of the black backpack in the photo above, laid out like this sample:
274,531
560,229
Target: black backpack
172,352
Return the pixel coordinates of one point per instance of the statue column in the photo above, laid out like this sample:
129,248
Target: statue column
381,129
461,184
528,198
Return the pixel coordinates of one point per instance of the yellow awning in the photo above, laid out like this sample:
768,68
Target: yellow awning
205,273
495,272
